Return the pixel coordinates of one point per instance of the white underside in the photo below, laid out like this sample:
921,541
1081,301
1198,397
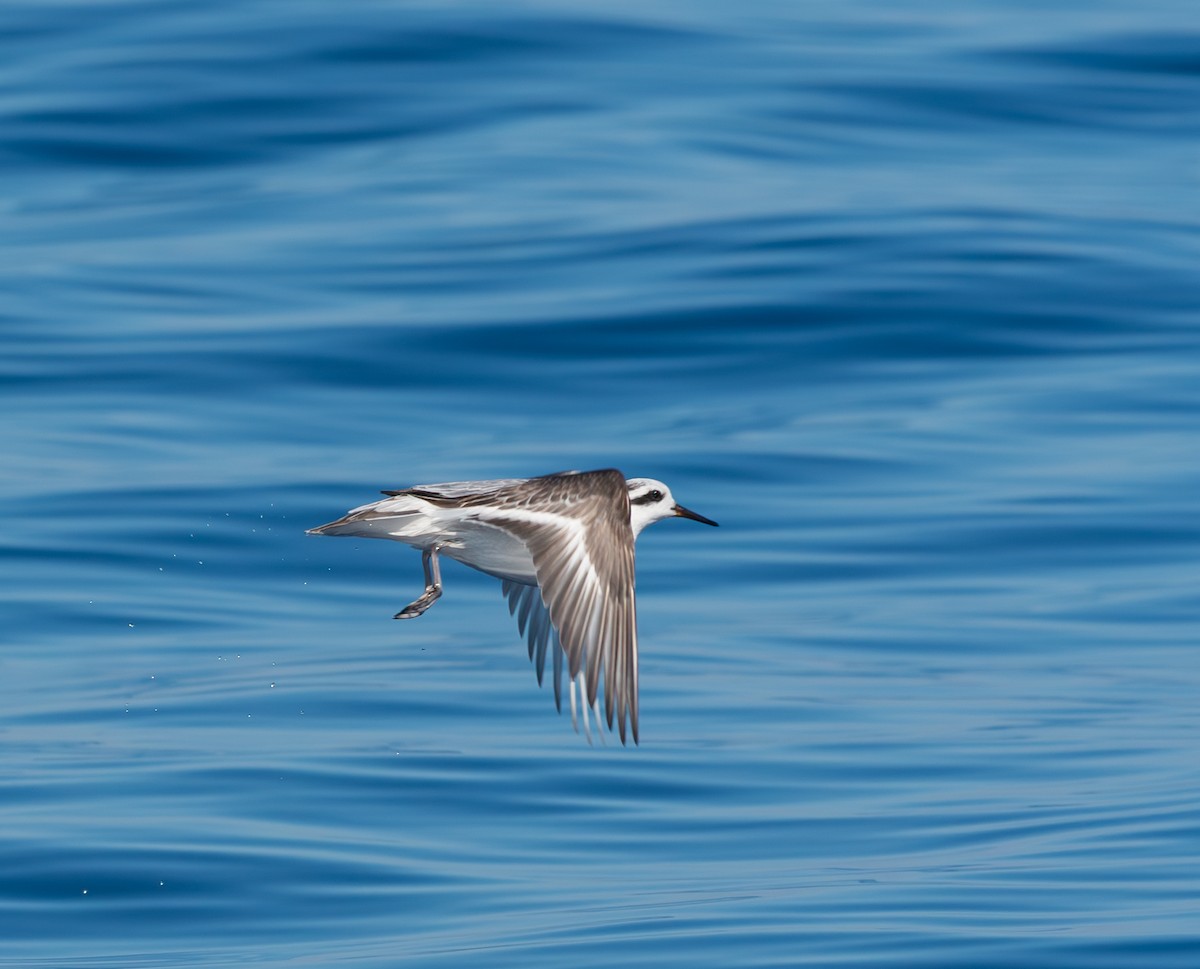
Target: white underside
491,550
456,533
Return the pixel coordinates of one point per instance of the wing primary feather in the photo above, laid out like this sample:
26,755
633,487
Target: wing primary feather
539,638
535,624
558,670
612,664
523,617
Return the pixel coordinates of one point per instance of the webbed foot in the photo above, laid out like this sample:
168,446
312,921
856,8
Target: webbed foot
414,609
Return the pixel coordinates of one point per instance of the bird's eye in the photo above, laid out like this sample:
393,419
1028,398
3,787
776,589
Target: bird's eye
655,495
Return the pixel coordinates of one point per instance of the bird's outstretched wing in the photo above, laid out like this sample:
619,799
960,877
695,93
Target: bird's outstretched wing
576,527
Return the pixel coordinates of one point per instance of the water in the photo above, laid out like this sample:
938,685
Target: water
904,295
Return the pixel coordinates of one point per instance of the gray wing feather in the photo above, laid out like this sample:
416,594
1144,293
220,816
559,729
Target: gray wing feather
461,489
533,621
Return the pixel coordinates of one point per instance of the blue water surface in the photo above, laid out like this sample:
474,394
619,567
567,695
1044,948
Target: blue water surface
902,294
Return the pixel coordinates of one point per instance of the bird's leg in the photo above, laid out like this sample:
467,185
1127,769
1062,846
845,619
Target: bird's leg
433,586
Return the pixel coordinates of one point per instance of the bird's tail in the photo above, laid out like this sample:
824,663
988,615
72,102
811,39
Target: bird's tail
380,519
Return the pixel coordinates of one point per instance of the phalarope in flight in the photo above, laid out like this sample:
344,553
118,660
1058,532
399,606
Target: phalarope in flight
561,544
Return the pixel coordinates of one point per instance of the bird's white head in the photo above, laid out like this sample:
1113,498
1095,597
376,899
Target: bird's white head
651,501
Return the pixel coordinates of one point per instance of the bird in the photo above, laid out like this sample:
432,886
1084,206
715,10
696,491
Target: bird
562,546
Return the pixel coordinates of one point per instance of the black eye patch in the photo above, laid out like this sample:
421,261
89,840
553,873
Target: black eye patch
649,498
